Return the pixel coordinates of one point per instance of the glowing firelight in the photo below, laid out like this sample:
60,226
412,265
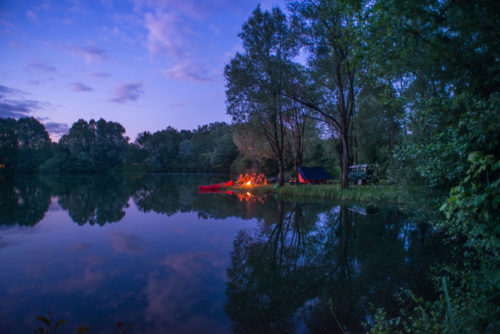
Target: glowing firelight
249,183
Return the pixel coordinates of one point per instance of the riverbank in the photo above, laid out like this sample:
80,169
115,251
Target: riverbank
366,193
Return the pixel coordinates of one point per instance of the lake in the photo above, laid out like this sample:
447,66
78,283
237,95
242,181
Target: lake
151,252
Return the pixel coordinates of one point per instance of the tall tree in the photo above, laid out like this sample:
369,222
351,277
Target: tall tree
257,77
331,31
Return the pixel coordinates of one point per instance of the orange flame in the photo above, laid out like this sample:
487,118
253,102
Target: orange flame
250,181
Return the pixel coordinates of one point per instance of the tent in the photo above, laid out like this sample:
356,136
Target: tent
313,175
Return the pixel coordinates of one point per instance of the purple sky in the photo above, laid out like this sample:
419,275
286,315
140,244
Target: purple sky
144,63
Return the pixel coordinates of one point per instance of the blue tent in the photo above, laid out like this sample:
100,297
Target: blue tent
313,175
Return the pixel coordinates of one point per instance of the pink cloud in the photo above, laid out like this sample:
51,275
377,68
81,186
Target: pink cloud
80,87
128,92
190,71
91,53
166,34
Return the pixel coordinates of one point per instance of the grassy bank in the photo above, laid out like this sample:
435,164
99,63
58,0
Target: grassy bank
366,193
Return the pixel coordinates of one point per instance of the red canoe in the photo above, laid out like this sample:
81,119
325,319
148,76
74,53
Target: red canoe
210,187
215,187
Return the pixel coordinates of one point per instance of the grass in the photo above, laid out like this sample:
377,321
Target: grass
366,193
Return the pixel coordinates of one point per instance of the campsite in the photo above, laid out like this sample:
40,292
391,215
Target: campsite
274,166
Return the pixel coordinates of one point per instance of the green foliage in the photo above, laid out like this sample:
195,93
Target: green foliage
476,128
209,148
368,193
377,125
90,147
8,143
257,79
473,208
162,148
24,144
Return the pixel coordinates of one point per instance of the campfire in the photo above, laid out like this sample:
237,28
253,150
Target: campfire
253,180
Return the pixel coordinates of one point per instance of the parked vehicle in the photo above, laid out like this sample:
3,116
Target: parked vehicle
361,174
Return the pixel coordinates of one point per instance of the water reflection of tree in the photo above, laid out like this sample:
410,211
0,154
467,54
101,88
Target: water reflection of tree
94,200
23,200
320,270
169,194
159,193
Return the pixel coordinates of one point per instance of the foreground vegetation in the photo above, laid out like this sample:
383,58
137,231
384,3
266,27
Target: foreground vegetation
367,193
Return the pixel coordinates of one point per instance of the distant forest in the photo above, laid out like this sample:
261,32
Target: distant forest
92,147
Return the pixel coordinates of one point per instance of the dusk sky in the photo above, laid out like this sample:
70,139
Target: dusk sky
143,63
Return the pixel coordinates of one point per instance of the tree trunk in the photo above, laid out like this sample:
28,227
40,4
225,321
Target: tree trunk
344,167
281,179
296,166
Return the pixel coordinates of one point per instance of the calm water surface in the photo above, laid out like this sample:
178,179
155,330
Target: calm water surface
152,252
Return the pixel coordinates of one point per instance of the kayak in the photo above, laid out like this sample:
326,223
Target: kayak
215,187
210,191
210,187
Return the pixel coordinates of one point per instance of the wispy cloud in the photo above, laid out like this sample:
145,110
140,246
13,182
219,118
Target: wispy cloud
195,9
80,87
189,70
32,15
41,66
13,104
166,34
174,29
4,90
100,74
128,92
17,108
178,105
91,53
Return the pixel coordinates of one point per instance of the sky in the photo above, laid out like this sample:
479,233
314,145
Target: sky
146,64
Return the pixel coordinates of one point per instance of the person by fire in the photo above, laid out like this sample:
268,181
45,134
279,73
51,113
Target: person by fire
254,179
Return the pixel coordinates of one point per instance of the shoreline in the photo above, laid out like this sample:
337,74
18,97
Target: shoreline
366,193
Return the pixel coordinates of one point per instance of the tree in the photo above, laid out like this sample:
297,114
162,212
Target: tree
92,146
162,149
256,79
377,126
80,144
446,53
111,144
8,143
331,30
25,144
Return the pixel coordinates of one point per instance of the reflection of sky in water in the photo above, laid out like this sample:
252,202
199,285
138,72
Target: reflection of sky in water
142,251
156,272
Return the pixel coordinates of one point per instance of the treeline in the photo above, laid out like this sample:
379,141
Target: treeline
100,146
92,147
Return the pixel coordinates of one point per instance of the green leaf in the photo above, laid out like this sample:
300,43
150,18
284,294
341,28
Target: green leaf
475,156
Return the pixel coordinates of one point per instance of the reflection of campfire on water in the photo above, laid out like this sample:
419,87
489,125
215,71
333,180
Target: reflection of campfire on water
251,180
248,197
